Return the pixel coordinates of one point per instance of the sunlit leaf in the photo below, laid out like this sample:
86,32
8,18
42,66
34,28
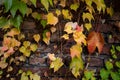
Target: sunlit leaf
45,4
75,51
110,11
66,14
51,56
13,32
34,2
65,36
33,47
74,6
90,9
26,44
94,40
10,68
88,16
36,37
109,65
68,27
76,66
56,64
51,19
88,2
88,26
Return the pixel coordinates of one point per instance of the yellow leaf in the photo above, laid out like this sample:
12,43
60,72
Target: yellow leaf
79,37
110,11
29,11
33,47
88,16
88,26
58,12
75,51
74,6
90,9
3,64
56,64
36,37
65,36
46,37
13,32
66,14
51,19
88,2
68,27
36,77
25,51
26,43
51,56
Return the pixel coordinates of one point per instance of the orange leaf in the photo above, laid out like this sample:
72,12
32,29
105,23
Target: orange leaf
94,40
76,51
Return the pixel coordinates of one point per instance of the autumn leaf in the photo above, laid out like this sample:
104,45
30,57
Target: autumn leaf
75,51
29,11
9,52
26,44
65,36
88,26
66,14
58,12
13,32
110,11
52,29
94,40
51,19
88,16
79,37
33,47
3,64
36,15
74,6
51,56
63,3
46,36
25,51
56,64
36,37
76,66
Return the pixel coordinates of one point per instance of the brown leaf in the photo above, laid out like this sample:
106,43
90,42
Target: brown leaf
94,40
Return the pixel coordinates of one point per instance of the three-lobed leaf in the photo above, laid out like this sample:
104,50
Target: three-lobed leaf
94,40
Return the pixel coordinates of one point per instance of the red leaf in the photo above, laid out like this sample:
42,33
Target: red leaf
94,40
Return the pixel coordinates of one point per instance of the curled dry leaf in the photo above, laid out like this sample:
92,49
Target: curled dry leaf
53,29
95,40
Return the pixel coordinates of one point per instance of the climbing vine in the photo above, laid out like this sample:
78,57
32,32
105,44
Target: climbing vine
48,14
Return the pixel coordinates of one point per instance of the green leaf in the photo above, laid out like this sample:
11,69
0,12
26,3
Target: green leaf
117,64
104,74
36,15
34,2
115,76
24,76
44,23
22,8
108,65
14,7
17,21
3,22
88,26
88,74
74,6
45,4
118,48
51,2
8,4
76,65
